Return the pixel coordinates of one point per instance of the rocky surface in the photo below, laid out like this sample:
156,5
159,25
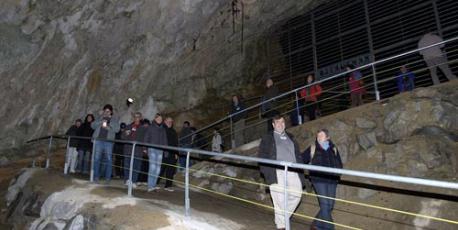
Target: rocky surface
63,59
42,199
413,134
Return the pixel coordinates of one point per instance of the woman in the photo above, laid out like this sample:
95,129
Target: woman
324,153
355,82
85,145
310,96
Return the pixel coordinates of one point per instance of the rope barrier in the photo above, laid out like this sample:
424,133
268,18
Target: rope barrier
320,196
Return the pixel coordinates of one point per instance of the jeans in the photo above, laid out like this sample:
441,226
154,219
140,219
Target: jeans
83,160
328,189
136,165
155,161
103,148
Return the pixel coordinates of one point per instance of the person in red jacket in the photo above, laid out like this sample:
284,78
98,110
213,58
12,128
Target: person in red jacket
357,90
310,96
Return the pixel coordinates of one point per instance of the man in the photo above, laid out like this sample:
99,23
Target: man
356,85
72,153
185,142
170,156
105,128
324,153
279,145
434,57
135,131
238,118
217,142
405,80
155,134
118,153
268,107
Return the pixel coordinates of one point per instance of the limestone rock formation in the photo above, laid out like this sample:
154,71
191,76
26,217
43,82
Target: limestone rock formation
46,200
63,59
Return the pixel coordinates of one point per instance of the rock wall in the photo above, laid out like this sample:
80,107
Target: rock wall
414,134
63,59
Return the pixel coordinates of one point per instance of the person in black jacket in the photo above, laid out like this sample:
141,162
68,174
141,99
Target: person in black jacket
281,146
324,153
238,115
72,153
170,156
135,131
155,134
268,107
85,145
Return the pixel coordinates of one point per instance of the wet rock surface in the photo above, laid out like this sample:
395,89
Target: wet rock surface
64,59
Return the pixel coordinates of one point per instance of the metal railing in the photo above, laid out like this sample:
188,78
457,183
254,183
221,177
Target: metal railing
335,92
286,166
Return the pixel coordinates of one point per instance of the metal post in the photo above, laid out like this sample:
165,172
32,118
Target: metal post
285,188
299,117
49,152
377,93
131,170
232,132
92,161
186,191
66,156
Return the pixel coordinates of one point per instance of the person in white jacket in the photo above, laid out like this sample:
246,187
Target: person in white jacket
434,57
217,142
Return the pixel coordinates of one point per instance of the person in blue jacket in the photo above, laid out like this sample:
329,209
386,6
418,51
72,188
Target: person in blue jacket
405,79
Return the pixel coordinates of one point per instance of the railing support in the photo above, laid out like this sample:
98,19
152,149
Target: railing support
187,201
131,170
67,156
92,161
285,191
232,132
49,152
377,93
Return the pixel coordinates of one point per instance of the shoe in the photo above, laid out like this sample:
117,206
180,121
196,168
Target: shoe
107,182
169,189
153,189
126,183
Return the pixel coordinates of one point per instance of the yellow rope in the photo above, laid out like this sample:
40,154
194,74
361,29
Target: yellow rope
255,203
326,197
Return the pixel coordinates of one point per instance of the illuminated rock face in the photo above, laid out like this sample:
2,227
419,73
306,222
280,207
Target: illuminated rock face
63,59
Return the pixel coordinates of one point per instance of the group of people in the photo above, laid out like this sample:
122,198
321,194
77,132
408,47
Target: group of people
106,128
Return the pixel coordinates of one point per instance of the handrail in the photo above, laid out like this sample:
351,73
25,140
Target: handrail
348,172
319,82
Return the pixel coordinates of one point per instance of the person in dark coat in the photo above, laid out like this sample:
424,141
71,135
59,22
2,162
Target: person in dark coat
280,145
405,79
324,153
155,134
170,156
238,115
268,107
72,152
85,145
118,153
134,131
185,141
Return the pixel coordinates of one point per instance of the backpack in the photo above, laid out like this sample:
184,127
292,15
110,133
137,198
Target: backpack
313,149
